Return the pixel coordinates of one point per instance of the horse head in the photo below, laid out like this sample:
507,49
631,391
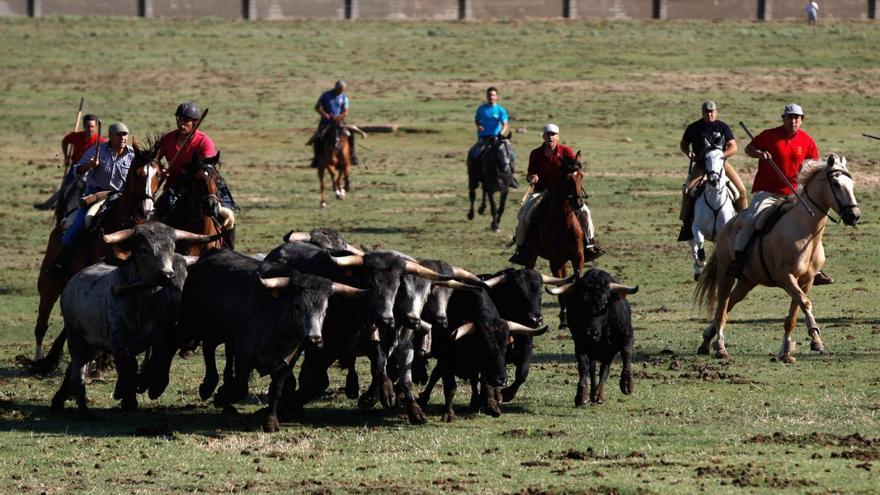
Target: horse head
571,180
713,163
142,182
204,189
840,193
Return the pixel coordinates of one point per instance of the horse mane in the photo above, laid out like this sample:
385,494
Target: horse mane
812,167
150,149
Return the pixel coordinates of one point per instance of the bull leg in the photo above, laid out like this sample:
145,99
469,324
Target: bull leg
475,393
211,378
449,386
523,364
63,392
404,354
126,374
490,398
604,370
583,365
279,377
78,371
425,395
626,376
235,390
352,381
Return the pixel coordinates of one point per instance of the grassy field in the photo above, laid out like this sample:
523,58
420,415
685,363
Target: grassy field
621,91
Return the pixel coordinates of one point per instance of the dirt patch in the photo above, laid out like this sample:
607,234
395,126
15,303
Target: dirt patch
750,475
817,438
709,373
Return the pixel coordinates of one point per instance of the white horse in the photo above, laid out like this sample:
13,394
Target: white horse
713,207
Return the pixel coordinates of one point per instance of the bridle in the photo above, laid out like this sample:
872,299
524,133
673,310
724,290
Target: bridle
831,174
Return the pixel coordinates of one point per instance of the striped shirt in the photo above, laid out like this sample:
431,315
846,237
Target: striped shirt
110,172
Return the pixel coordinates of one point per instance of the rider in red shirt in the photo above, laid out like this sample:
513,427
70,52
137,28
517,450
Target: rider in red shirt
187,115
79,141
788,146
543,173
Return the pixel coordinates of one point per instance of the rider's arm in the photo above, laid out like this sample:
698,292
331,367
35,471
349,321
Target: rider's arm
320,109
730,148
754,152
685,147
504,128
87,162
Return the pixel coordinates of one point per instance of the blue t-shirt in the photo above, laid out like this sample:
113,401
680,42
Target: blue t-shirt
332,103
492,118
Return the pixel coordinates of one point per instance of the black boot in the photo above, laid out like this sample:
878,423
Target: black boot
822,278
512,182
592,250
739,262
685,234
59,268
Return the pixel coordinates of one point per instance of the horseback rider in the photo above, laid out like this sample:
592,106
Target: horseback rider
186,115
332,105
693,145
78,142
107,171
491,121
787,146
543,174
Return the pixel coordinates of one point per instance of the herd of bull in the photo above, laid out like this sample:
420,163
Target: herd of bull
319,298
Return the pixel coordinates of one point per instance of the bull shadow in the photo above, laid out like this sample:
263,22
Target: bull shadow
385,230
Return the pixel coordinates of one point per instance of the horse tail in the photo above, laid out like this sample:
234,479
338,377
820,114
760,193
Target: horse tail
50,361
706,292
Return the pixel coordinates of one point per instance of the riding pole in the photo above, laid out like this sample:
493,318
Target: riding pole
527,193
68,153
779,172
871,136
185,143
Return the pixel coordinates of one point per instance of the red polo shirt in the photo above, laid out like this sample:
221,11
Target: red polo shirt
200,144
81,141
547,167
788,154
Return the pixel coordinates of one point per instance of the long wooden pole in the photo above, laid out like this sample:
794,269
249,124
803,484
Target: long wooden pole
68,153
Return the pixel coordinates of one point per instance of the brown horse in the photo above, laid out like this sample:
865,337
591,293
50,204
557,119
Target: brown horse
787,256
556,234
334,156
133,206
200,210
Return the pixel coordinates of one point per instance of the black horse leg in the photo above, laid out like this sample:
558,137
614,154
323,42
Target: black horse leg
482,209
493,209
472,195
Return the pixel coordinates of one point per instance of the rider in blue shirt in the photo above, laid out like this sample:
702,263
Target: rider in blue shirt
333,106
491,121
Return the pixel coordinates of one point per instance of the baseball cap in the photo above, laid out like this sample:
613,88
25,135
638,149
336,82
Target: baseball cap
709,106
793,109
118,128
551,128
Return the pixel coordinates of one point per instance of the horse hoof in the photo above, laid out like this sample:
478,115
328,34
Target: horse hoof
722,354
817,347
696,277
323,204
703,350
787,359
470,215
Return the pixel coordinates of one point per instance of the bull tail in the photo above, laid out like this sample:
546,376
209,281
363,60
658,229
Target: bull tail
706,292
50,361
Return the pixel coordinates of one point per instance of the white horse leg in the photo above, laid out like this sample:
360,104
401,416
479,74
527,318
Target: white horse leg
816,343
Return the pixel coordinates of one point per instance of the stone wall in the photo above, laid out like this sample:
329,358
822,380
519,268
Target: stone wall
286,9
710,9
612,9
405,9
840,9
482,9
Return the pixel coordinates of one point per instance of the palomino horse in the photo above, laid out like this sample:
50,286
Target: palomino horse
713,208
487,170
334,156
787,256
133,206
558,236
199,209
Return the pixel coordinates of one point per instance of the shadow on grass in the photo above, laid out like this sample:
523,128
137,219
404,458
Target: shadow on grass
385,230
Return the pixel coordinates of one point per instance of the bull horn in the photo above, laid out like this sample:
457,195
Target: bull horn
353,260
556,281
349,247
190,260
424,326
346,290
455,285
297,237
461,273
563,289
492,282
118,236
275,282
467,328
520,329
183,235
417,269
622,289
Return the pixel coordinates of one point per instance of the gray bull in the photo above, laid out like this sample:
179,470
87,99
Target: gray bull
122,310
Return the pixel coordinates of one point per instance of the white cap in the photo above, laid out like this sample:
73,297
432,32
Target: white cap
551,128
118,128
792,109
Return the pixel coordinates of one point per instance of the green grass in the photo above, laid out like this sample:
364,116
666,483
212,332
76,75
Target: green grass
621,91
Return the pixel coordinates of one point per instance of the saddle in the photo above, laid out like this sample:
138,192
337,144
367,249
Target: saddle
98,210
